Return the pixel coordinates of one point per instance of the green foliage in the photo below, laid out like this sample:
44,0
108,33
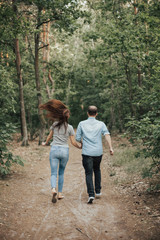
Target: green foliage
126,160
146,130
155,187
101,53
6,157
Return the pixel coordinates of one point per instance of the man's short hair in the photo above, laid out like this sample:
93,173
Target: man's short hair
92,110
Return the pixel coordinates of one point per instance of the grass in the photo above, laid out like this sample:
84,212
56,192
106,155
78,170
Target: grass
128,165
127,158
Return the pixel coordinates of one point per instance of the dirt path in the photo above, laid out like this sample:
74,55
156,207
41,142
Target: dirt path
28,213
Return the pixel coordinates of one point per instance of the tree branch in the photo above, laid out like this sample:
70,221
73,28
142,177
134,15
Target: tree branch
50,77
43,46
43,23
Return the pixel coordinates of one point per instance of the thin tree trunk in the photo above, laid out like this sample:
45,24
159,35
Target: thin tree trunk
112,100
119,109
45,59
48,55
19,74
139,76
38,87
52,81
2,58
7,57
135,8
129,80
73,64
47,41
139,66
128,76
20,79
68,91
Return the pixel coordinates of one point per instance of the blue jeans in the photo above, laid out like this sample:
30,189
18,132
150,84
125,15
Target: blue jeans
58,157
92,164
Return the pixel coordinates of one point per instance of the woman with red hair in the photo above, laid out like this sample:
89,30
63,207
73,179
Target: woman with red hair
60,130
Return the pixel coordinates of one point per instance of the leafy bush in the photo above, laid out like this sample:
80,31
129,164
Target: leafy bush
6,157
147,133
145,129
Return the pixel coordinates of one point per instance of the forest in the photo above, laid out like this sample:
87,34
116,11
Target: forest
82,52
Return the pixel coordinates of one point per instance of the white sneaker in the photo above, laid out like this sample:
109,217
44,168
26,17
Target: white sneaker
98,195
90,200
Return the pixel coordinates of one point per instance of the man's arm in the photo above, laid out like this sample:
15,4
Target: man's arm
79,133
108,139
74,143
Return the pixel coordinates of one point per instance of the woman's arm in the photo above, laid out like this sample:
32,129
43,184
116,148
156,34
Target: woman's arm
74,143
50,135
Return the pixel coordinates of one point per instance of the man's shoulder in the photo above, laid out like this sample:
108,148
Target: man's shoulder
100,122
87,121
83,122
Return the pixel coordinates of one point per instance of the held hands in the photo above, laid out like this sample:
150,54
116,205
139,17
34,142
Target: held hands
79,145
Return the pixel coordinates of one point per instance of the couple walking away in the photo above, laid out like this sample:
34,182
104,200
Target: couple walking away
88,138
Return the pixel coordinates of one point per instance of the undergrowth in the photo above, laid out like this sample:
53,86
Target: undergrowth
128,165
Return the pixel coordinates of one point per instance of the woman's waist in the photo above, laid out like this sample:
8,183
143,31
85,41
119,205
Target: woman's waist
64,145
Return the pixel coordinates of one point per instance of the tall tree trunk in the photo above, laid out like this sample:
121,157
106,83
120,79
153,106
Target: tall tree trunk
112,123
139,76
19,74
45,57
49,70
139,66
129,81
38,87
52,81
68,91
73,64
20,79
135,8
7,57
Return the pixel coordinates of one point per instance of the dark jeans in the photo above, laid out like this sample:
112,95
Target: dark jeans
92,164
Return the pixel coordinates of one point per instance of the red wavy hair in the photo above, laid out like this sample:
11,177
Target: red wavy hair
56,111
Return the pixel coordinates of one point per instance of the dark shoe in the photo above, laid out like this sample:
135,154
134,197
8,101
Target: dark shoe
90,200
98,195
54,197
